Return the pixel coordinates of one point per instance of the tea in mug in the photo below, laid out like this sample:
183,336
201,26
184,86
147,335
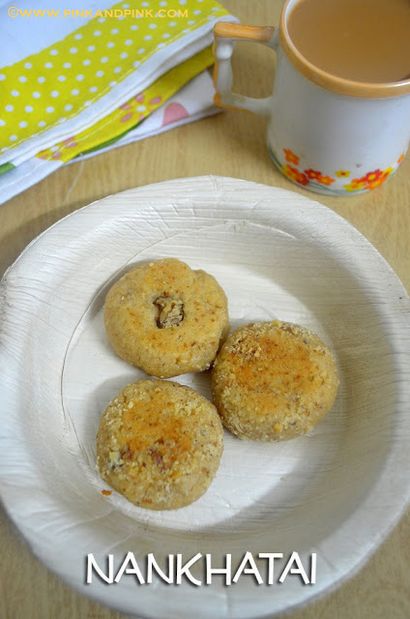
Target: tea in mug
359,40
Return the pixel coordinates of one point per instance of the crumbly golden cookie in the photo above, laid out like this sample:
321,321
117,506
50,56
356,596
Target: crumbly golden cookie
273,381
165,318
159,444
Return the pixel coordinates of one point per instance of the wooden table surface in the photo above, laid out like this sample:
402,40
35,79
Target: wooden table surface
230,144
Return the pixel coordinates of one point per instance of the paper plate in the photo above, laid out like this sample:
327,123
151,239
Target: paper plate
336,492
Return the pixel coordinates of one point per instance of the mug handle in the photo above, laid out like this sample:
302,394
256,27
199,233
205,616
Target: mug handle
225,34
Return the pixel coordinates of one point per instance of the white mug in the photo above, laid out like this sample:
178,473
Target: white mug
325,133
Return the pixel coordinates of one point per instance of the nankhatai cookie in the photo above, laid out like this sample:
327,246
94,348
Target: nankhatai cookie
159,444
273,381
165,318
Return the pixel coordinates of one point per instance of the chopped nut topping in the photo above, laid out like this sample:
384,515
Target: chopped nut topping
170,311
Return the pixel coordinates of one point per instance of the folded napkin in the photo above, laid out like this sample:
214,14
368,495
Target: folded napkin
131,113
192,102
59,79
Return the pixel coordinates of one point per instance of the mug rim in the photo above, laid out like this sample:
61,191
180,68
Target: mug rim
329,81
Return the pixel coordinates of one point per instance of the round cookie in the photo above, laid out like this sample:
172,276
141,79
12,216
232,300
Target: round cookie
165,318
273,381
159,444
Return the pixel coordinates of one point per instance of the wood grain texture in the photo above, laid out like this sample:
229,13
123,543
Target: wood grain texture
231,144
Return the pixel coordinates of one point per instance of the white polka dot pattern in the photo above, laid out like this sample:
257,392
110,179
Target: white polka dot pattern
76,71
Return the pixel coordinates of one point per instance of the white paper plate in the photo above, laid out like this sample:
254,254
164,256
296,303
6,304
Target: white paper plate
277,254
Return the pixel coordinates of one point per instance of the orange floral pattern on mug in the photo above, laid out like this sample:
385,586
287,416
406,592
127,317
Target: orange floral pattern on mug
312,178
317,176
302,177
295,175
371,180
291,157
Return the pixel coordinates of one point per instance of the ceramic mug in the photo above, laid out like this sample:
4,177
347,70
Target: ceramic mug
325,133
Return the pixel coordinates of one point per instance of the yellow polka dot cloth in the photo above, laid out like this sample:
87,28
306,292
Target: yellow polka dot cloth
90,69
130,113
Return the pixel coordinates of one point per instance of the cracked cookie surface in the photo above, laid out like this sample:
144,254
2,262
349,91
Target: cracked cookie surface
273,381
159,444
166,318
